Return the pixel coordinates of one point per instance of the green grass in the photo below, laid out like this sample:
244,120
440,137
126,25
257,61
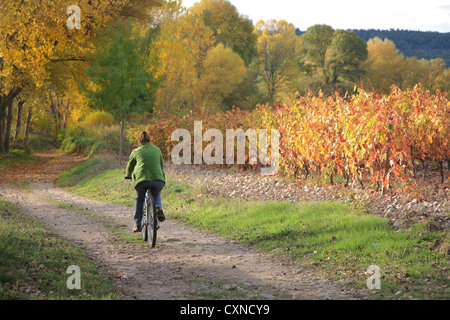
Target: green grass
338,240
85,170
108,186
34,262
92,141
42,142
16,158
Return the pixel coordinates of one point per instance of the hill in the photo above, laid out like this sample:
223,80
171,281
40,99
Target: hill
421,44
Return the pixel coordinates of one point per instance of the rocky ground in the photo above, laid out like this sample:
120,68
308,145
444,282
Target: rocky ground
431,205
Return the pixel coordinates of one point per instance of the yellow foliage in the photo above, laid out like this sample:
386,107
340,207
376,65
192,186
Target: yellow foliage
99,119
223,71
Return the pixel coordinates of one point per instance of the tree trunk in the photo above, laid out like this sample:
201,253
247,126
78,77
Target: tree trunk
413,160
2,126
9,117
121,138
387,166
27,129
54,109
65,115
192,98
5,100
19,120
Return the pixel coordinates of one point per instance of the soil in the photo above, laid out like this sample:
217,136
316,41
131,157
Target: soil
185,264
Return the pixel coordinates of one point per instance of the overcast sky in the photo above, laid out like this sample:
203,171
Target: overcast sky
429,15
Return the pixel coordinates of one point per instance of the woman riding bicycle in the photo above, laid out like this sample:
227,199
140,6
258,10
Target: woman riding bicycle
146,168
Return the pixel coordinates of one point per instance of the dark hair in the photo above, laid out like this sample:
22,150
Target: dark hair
143,137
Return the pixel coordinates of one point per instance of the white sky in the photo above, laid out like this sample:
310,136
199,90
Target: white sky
429,15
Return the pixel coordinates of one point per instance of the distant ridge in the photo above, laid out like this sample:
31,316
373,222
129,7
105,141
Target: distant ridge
421,44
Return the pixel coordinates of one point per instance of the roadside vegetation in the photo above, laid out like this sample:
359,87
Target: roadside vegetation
16,158
336,239
34,263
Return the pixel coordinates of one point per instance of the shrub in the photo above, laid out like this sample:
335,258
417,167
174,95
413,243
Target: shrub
99,119
90,141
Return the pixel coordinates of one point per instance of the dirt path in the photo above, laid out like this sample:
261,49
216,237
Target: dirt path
186,264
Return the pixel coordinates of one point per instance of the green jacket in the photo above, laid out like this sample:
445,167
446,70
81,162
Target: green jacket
146,164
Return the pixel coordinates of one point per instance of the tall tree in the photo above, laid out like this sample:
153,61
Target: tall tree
279,50
437,68
34,37
229,27
180,49
344,58
120,81
175,70
197,37
316,41
224,70
443,81
385,66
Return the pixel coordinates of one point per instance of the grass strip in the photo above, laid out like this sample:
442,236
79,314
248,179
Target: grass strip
34,263
16,158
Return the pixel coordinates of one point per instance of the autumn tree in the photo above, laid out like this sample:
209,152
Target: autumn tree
235,31
180,48
443,80
436,68
385,66
279,51
315,42
34,38
175,70
344,59
229,27
119,78
30,39
415,71
173,65
194,70
223,71
166,15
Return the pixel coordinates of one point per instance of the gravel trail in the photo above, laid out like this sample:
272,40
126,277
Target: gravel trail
186,264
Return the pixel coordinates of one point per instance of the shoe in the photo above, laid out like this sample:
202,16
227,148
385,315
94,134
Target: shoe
137,229
160,215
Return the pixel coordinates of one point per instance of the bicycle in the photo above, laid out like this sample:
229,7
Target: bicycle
150,222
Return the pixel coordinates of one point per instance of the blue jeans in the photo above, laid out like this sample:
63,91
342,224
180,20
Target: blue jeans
155,188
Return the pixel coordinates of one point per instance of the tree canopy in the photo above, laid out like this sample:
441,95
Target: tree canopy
208,57
278,53
229,27
119,79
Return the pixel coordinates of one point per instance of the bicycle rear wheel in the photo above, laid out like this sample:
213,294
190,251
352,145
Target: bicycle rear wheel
152,225
144,223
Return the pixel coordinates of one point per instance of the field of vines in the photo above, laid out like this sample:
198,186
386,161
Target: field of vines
365,139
